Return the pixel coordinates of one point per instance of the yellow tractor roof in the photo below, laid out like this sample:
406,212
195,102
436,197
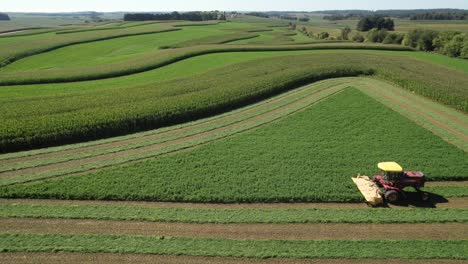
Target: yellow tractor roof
390,166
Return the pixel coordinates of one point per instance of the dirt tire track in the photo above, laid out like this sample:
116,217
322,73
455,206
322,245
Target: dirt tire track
447,183
236,231
171,143
111,258
451,203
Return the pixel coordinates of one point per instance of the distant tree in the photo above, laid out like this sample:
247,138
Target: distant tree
4,16
464,51
222,16
426,40
341,17
393,38
457,46
443,38
191,16
440,15
345,33
288,17
365,24
258,14
323,35
375,35
358,38
369,22
388,24
304,19
421,39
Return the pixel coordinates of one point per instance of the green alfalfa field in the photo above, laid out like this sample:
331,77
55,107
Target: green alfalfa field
233,117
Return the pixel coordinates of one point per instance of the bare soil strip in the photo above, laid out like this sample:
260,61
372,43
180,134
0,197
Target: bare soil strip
447,183
191,205
451,203
237,231
109,258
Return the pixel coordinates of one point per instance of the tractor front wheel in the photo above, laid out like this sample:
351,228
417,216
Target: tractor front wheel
391,196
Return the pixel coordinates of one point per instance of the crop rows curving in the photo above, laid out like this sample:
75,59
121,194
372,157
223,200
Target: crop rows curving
325,182
46,120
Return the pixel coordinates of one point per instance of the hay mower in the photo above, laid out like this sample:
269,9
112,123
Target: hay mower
389,182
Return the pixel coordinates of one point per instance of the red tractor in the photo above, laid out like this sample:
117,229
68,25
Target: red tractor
393,180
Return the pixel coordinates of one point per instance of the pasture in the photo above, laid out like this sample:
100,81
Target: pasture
200,142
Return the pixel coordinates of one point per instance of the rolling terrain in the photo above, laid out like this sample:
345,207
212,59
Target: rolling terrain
230,142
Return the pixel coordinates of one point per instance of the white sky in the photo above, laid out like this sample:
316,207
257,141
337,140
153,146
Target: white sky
201,5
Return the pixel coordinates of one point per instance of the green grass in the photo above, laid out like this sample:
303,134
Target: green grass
12,49
115,50
233,216
407,249
95,114
308,157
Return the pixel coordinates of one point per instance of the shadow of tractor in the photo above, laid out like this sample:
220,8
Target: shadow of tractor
413,199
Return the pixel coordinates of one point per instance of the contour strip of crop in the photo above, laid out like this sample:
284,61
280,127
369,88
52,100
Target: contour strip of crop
18,164
31,155
21,135
452,126
242,213
416,248
21,160
144,150
10,58
157,59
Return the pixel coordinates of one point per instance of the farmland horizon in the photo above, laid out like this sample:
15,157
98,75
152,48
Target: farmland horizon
322,132
49,6
239,11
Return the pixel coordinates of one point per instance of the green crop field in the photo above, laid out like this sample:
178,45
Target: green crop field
225,141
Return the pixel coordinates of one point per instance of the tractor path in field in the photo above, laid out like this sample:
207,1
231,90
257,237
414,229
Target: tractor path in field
111,258
180,143
236,231
452,123
447,183
412,109
450,203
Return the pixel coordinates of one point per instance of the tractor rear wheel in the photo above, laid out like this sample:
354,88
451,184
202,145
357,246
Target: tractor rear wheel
391,196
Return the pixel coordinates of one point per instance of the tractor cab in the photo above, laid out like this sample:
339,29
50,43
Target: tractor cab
391,177
390,171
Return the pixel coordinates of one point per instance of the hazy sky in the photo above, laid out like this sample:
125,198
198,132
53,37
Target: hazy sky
241,5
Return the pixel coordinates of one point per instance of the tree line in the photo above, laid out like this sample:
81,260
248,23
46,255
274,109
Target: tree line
416,13
190,16
4,16
440,16
369,22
